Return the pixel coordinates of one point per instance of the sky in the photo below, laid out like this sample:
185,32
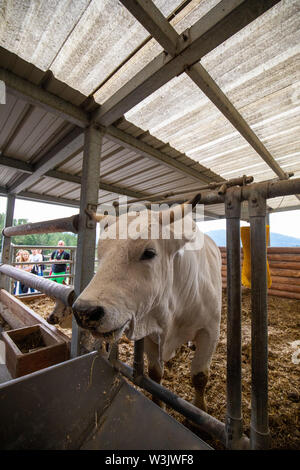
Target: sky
286,223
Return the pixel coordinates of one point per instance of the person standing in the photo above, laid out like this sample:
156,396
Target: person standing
36,257
22,257
56,268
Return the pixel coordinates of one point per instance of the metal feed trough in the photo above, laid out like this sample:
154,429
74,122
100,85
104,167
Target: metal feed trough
98,409
84,403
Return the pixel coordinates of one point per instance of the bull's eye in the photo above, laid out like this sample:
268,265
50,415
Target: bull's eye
149,253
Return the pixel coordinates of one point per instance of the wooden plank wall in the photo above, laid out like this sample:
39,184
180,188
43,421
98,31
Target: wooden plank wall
284,268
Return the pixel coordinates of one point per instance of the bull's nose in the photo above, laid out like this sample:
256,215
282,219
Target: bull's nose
87,316
96,314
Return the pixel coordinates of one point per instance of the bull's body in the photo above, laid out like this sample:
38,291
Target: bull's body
169,297
196,297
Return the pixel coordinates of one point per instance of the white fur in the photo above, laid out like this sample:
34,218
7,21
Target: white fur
170,299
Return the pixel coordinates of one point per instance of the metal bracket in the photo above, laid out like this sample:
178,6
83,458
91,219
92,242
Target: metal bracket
90,223
235,440
233,203
257,205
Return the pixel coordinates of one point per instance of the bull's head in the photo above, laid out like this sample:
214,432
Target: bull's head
134,277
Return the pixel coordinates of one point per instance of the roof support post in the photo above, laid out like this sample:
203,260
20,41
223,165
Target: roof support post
234,422
259,428
85,256
6,241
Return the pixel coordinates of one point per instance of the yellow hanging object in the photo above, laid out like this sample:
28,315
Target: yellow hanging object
246,270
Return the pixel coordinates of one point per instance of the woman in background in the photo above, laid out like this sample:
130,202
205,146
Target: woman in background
22,257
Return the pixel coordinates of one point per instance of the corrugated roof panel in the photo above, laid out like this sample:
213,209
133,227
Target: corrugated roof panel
121,159
52,186
44,27
116,33
10,119
258,69
286,201
34,128
254,71
186,18
6,175
133,169
73,165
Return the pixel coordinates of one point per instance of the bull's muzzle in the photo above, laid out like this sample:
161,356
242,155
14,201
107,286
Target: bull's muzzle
87,316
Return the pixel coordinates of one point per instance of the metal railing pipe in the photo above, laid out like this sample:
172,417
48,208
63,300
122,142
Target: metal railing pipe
269,188
138,359
234,423
259,428
28,263
205,421
67,224
53,289
42,247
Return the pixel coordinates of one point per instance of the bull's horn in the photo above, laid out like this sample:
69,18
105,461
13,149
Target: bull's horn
94,216
177,212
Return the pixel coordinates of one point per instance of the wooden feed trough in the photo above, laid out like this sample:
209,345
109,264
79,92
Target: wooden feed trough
32,348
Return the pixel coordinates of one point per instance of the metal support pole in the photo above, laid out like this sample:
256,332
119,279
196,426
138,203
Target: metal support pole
6,242
234,422
259,429
138,360
85,255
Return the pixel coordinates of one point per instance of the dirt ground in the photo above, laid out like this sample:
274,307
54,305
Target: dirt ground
284,373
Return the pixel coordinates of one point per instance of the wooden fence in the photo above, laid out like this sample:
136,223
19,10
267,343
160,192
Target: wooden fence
284,269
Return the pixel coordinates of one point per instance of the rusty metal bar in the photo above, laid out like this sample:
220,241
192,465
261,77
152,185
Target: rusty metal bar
214,185
270,189
67,224
53,289
206,422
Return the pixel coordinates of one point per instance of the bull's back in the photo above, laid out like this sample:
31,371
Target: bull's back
213,257
201,271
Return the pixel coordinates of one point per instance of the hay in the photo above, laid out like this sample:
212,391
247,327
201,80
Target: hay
284,377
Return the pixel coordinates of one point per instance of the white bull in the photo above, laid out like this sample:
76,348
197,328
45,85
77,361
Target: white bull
156,289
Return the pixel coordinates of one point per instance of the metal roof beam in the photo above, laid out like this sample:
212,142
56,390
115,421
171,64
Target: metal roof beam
153,21
29,196
206,83
132,143
57,154
16,164
66,177
111,188
37,96
223,21
115,134
146,12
